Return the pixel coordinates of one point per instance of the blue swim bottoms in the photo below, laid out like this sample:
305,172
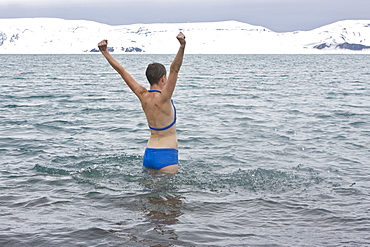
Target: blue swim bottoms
158,158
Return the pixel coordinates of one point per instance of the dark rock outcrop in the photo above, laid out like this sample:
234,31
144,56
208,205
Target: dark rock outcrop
346,46
322,46
110,49
132,49
353,47
3,37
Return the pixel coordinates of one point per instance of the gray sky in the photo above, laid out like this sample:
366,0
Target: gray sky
277,15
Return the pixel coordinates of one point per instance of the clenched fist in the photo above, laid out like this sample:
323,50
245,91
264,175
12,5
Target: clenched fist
181,38
103,45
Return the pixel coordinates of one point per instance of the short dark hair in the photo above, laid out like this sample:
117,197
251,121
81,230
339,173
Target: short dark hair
154,72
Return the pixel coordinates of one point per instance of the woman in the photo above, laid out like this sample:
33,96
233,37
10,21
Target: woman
161,153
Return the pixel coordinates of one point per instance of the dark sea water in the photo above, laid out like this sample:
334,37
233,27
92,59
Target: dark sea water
274,151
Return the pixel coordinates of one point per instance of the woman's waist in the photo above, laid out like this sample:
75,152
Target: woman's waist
167,141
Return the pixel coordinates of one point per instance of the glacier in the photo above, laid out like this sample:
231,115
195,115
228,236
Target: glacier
59,36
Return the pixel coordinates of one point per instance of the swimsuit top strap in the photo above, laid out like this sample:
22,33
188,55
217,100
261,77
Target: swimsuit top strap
157,91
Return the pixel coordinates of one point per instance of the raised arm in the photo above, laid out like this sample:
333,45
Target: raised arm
168,89
130,81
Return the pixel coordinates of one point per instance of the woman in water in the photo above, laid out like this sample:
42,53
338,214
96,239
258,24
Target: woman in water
161,153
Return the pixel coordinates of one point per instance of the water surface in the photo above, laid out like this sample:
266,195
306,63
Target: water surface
274,151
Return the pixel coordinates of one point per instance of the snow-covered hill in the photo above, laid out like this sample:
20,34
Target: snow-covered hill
58,36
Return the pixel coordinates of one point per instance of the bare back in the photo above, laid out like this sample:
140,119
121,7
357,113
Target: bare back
159,113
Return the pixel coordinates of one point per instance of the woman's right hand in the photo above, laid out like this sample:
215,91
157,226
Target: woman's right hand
181,38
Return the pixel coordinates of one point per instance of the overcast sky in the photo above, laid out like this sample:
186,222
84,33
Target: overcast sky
277,15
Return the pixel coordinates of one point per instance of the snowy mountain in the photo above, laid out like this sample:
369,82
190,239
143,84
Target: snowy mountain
58,36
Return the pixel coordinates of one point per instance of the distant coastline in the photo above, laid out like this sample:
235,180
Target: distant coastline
59,36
